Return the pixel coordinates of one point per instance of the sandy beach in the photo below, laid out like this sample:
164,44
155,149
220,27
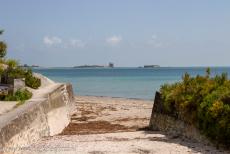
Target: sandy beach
94,115
101,125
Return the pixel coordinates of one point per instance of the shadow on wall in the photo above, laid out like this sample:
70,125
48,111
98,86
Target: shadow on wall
162,121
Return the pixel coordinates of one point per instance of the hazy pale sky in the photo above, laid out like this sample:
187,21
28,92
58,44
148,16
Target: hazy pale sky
126,32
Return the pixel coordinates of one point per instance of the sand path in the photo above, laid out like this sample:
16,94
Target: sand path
102,125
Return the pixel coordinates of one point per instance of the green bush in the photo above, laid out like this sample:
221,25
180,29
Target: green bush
15,72
203,101
20,95
12,63
32,81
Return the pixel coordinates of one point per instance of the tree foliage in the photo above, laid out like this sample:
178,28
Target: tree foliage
14,70
3,47
203,101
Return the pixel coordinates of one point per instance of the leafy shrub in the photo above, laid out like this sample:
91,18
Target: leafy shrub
15,72
12,63
20,95
32,81
203,101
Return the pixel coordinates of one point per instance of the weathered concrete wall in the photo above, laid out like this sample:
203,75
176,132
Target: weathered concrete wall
41,116
19,84
170,125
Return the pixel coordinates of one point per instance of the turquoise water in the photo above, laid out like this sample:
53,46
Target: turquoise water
139,83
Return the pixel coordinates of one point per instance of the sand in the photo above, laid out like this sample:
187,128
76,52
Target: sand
105,115
102,125
7,106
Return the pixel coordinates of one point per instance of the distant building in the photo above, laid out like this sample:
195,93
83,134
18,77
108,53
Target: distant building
111,65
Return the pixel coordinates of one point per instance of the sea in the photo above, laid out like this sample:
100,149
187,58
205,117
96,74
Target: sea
136,83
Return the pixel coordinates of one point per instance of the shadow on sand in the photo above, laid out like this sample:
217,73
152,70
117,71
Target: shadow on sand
194,146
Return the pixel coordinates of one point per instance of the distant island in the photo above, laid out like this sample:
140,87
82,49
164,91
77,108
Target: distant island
149,66
110,65
25,66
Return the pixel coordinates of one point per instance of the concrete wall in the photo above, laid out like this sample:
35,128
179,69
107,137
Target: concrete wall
19,84
170,125
42,116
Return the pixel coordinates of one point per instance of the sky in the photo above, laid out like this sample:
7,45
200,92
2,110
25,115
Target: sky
129,33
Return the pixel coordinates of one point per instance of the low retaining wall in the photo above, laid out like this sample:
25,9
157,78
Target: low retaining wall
42,116
170,125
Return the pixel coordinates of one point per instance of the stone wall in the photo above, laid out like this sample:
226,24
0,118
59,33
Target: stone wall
41,116
170,125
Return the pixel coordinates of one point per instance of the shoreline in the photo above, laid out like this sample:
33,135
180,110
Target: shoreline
116,97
